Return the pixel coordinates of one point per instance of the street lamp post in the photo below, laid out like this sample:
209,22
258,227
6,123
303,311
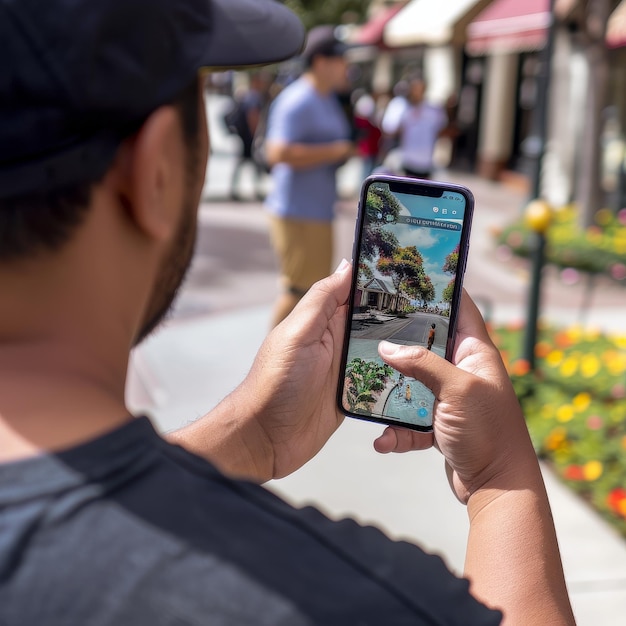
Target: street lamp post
538,209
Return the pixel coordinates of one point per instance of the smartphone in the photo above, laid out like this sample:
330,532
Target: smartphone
410,252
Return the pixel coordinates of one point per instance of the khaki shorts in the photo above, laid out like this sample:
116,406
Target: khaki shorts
304,249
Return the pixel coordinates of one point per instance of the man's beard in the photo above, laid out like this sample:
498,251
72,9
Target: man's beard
174,267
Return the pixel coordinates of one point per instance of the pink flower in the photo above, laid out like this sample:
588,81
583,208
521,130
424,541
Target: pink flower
618,271
618,392
594,422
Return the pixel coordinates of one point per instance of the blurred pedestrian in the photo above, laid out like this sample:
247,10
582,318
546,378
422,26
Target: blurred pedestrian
395,109
308,138
244,121
391,117
420,127
368,134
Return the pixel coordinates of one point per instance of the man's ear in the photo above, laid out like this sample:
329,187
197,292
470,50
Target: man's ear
150,171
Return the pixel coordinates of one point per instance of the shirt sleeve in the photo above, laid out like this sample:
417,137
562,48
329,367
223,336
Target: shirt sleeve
287,120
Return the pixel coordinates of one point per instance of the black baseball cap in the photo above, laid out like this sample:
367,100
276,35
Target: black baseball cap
323,41
76,76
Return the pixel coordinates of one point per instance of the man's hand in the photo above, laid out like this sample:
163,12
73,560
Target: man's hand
512,557
478,424
285,409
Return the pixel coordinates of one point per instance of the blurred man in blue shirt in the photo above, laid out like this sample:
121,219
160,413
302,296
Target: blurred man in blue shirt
308,138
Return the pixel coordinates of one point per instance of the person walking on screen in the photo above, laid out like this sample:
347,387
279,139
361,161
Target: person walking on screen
431,336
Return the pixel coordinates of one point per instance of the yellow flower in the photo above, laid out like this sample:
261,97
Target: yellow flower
556,438
565,413
620,341
624,442
575,332
592,470
589,365
616,363
554,358
569,367
619,245
581,401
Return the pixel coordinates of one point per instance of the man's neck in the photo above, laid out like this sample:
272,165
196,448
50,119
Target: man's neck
53,398
318,83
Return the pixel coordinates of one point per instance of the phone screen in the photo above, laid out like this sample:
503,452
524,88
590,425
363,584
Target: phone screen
410,254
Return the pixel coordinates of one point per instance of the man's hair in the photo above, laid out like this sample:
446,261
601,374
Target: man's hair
45,221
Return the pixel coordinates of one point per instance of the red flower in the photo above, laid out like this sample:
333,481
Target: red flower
617,500
574,472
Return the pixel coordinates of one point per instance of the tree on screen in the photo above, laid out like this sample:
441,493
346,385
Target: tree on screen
405,267
381,208
450,267
451,262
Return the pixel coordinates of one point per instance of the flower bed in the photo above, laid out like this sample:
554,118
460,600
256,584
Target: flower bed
575,407
600,249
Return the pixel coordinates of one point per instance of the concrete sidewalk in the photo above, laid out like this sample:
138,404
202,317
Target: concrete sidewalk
223,315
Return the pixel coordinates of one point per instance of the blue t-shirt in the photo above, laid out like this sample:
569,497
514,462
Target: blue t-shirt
300,114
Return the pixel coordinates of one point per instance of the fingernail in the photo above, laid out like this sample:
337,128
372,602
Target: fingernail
386,348
342,267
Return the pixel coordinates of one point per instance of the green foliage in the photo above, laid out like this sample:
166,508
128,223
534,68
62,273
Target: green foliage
318,12
600,249
575,407
381,208
364,382
448,292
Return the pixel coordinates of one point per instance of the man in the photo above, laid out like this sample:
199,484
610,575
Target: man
420,126
103,147
249,106
307,139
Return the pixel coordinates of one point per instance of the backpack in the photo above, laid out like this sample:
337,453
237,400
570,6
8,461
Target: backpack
235,118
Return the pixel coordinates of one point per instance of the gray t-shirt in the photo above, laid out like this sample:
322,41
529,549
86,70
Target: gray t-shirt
130,530
300,114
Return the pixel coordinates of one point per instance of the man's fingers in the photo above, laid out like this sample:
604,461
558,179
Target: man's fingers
321,302
402,440
471,321
419,363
